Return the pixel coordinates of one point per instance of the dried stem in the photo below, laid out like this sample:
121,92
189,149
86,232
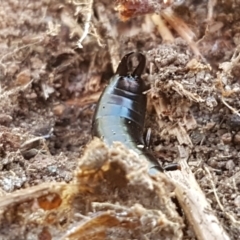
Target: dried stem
87,23
232,219
162,28
194,203
230,107
211,5
182,28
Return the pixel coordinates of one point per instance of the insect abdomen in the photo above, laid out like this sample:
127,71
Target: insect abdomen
120,112
118,118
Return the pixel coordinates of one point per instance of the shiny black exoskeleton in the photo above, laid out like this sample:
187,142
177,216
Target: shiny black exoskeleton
121,109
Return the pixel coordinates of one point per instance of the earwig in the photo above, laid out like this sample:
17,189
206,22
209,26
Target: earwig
121,109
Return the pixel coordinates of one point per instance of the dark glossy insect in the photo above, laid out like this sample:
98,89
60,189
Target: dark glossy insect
121,109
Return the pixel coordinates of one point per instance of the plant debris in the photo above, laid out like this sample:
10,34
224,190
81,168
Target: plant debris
99,202
56,57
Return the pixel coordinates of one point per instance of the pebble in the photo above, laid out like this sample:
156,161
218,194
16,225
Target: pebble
226,138
59,109
23,78
29,153
237,138
237,201
230,165
5,119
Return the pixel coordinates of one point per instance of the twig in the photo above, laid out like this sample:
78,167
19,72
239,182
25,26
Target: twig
211,5
30,193
182,28
85,99
234,221
228,66
162,28
231,108
194,203
97,36
87,23
39,39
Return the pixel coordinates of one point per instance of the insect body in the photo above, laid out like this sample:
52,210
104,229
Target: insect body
120,112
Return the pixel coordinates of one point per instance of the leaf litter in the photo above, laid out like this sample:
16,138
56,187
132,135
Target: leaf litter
49,87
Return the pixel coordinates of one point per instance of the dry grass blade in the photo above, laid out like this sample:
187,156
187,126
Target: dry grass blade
211,5
181,135
30,193
88,15
37,41
230,107
84,100
182,28
162,28
232,219
95,227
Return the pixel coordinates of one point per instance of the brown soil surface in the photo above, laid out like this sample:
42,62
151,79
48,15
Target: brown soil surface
48,92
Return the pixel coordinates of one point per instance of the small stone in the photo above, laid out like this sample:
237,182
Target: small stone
236,39
237,138
29,153
237,201
210,125
59,109
233,121
12,68
32,95
226,138
211,102
36,63
230,165
212,163
52,169
5,119
23,78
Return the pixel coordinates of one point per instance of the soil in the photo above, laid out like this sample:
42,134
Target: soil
49,86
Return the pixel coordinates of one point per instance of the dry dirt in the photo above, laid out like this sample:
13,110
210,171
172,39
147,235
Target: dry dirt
49,86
